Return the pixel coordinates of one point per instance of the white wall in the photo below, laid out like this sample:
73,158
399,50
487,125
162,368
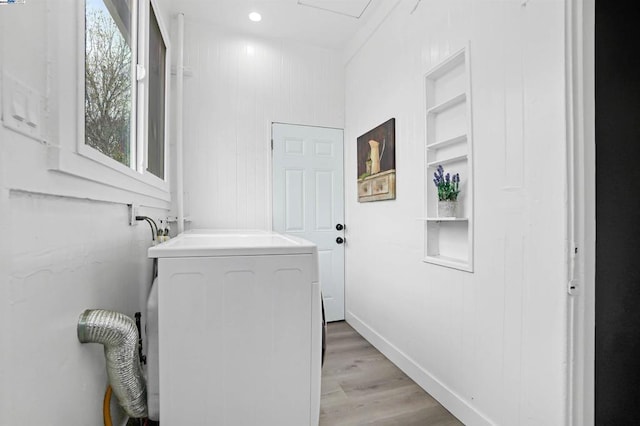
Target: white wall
489,345
230,102
62,249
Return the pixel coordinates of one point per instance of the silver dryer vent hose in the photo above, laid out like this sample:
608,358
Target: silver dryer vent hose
119,335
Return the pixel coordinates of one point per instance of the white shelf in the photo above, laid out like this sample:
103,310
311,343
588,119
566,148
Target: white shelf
448,241
449,262
447,142
447,160
446,66
448,104
444,219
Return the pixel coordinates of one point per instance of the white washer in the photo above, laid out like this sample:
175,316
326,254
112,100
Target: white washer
240,329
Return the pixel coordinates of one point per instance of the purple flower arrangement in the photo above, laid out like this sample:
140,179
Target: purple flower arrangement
447,185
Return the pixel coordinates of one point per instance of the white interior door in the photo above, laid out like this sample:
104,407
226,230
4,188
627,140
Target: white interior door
308,200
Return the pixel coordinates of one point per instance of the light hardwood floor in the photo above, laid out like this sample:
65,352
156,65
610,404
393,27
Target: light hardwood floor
360,386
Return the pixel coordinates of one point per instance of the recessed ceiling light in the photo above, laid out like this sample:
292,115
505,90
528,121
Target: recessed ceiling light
255,16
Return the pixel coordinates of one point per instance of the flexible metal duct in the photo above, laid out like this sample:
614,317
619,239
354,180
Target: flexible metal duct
119,335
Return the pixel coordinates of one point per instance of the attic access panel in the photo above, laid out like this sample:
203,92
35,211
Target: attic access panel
352,8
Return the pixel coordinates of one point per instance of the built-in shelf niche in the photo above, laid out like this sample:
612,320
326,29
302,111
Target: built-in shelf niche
449,241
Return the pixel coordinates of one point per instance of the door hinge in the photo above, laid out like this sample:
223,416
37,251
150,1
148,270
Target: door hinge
271,144
572,287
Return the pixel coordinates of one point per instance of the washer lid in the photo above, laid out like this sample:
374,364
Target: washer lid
238,243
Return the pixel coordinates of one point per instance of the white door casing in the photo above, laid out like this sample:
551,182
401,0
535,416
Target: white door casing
308,199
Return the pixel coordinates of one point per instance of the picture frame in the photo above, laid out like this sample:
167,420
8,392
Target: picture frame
377,163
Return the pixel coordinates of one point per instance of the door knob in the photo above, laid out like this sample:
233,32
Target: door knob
339,240
339,227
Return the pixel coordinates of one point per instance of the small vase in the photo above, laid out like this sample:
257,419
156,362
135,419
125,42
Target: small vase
447,208
375,156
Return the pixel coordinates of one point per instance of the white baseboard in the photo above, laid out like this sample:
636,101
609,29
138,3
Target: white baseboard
460,408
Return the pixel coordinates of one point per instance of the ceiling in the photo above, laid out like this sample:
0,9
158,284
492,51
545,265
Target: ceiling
325,23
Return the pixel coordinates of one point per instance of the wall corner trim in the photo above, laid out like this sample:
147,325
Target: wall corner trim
453,402
363,35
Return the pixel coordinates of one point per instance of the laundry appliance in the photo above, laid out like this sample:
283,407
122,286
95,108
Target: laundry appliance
239,330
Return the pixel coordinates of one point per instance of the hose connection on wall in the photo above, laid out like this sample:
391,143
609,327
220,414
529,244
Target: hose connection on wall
158,234
119,335
154,227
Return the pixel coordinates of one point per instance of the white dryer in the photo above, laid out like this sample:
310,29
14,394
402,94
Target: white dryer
239,328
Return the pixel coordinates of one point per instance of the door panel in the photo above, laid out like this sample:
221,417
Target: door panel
308,199
294,201
324,200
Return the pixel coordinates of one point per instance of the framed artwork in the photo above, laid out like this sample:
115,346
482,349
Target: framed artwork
377,163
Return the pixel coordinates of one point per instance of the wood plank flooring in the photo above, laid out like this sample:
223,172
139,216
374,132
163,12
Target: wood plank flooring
360,386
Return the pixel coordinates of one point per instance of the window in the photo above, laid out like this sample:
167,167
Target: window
109,84
157,66
125,85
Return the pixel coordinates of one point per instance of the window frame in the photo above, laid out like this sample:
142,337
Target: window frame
151,6
140,108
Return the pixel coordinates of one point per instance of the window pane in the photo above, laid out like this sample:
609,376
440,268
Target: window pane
157,58
108,77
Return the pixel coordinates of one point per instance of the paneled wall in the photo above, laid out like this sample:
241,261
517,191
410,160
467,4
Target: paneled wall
490,345
238,87
61,250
